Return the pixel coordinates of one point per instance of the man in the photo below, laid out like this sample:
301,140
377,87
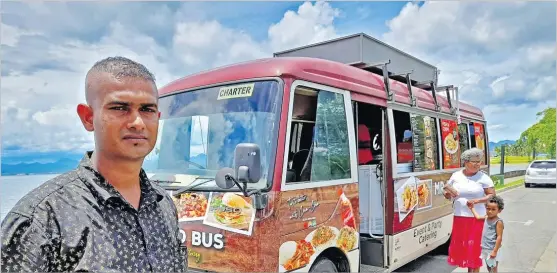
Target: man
105,215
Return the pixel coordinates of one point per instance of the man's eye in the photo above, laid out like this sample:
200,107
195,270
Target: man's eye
118,108
149,110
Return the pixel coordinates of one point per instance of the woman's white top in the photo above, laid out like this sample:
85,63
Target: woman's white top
469,187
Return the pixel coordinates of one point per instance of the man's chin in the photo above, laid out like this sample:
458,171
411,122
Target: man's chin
135,153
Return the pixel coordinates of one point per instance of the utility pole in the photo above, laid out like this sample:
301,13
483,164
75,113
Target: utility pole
503,159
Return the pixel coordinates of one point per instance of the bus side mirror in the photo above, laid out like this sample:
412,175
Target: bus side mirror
247,163
247,168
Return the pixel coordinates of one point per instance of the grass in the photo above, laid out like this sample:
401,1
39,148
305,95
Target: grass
509,185
511,159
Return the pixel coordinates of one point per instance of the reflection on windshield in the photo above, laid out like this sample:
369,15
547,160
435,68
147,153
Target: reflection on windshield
199,130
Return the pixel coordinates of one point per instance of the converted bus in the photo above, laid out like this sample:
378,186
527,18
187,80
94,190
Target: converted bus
311,161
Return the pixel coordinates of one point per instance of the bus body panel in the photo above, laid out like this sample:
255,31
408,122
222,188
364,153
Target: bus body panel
316,222
220,250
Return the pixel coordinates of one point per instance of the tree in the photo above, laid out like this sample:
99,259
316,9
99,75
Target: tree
497,150
541,136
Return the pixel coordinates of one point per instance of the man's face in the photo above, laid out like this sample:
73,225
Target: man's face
125,117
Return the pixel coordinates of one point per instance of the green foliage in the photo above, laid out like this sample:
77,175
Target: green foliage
541,136
538,138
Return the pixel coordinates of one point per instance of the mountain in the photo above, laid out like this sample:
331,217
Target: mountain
200,159
493,145
60,166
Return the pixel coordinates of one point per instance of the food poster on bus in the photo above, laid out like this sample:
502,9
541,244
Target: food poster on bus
449,135
419,199
230,211
406,196
191,206
424,140
314,220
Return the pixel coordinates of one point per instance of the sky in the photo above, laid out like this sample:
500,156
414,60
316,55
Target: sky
501,54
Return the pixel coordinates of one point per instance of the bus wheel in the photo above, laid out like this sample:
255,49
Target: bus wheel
323,265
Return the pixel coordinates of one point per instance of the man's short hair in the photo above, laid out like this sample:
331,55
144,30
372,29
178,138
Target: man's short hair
122,67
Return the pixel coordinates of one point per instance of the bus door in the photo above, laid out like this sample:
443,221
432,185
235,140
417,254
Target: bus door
370,129
319,192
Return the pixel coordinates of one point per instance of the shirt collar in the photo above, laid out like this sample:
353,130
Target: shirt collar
106,191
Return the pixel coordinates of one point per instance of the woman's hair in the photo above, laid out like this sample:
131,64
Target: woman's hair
467,155
497,200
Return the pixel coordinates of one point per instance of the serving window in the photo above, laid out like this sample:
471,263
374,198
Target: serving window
416,143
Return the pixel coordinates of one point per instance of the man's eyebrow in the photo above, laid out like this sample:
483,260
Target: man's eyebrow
123,103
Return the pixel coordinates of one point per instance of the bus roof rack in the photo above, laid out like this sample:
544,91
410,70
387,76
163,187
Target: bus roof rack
370,54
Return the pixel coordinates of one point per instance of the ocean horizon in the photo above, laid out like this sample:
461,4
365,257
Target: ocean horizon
14,187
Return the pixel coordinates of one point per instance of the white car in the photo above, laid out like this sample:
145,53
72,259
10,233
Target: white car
540,172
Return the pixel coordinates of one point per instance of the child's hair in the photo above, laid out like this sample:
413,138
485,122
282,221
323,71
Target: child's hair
497,200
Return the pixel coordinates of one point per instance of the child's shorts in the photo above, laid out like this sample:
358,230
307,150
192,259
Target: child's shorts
486,252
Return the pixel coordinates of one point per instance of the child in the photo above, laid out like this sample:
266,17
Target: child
492,237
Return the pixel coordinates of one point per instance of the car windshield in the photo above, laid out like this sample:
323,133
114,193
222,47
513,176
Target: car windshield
543,165
199,130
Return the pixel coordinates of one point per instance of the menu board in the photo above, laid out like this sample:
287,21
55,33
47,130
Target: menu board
479,138
451,145
424,140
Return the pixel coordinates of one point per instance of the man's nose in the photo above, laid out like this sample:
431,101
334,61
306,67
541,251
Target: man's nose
136,121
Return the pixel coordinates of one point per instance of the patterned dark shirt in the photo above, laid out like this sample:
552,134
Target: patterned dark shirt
79,222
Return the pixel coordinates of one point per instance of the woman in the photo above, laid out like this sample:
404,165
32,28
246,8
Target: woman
468,186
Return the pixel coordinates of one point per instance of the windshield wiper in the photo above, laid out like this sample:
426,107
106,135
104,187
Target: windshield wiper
187,188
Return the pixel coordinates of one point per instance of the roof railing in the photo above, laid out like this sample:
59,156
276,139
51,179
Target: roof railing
405,77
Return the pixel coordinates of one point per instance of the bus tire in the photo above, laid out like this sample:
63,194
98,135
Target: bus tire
323,265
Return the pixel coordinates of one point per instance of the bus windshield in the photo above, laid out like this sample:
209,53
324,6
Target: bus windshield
199,131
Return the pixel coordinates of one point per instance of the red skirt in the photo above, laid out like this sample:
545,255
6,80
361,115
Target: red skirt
465,248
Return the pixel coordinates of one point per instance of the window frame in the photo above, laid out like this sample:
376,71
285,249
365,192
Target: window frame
391,106
351,140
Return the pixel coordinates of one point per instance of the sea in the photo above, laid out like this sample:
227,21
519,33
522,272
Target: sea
12,188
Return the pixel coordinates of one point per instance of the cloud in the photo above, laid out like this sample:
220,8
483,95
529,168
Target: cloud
311,24
48,47
502,55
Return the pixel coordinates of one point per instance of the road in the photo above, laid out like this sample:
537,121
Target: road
530,232
496,168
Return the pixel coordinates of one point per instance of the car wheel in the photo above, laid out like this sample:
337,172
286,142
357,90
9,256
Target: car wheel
527,185
324,265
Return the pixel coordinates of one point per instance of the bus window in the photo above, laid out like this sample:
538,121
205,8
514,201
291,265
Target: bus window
471,135
319,148
479,138
463,139
416,138
369,134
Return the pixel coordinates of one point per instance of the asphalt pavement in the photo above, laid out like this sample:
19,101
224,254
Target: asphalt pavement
496,168
528,240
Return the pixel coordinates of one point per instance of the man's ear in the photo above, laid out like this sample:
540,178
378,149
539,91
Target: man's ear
85,113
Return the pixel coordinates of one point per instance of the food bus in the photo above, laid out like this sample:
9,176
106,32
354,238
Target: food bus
322,158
